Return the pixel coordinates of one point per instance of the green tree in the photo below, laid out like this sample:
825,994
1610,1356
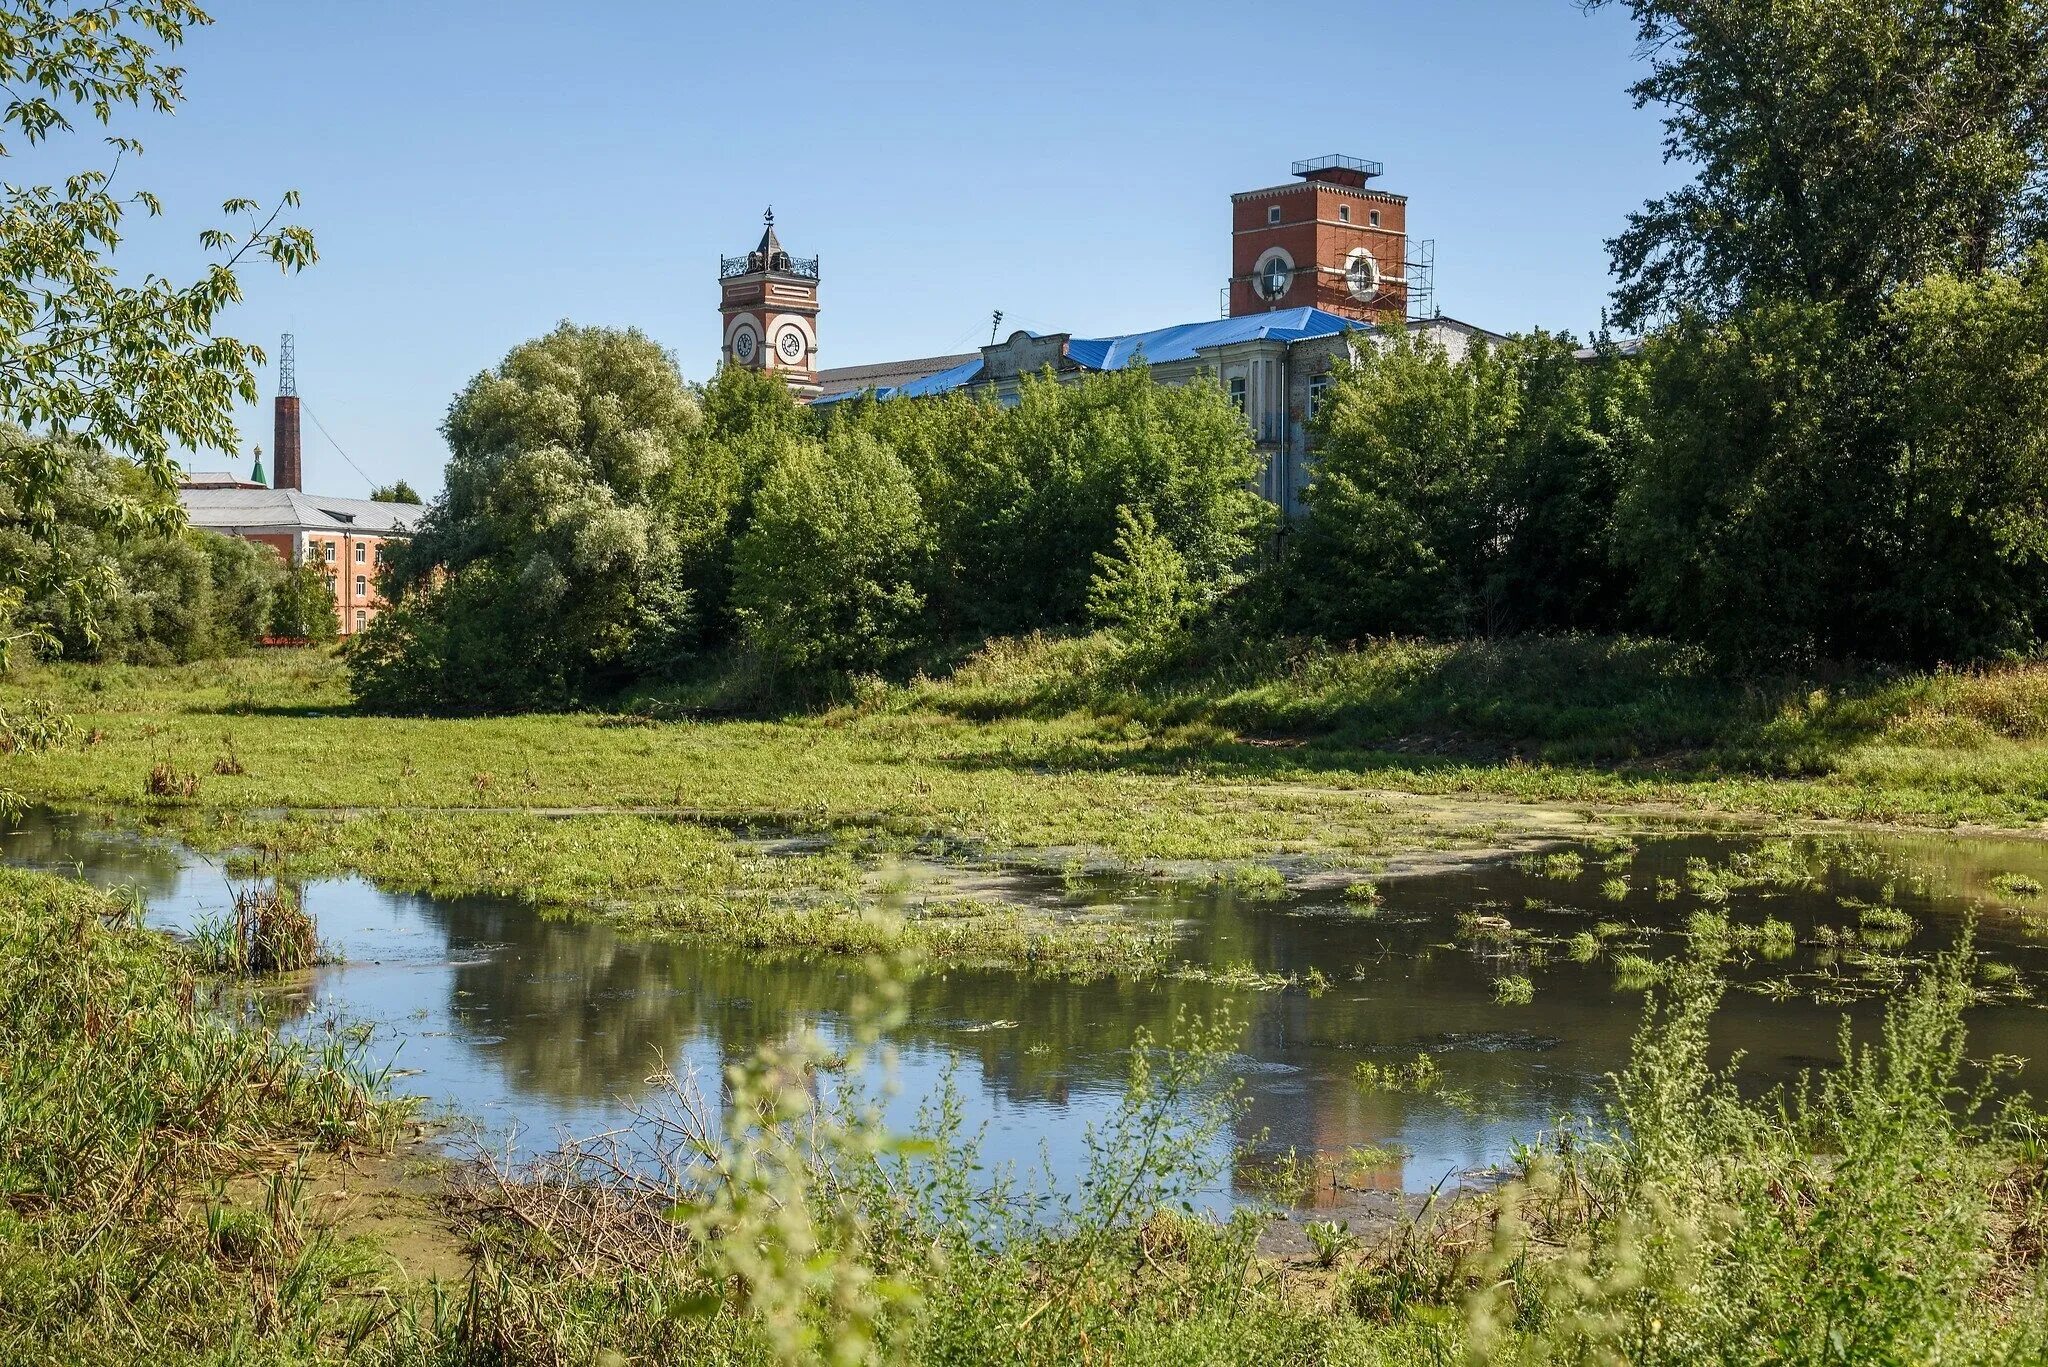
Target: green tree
1841,148
1024,498
99,592
825,577
1969,518
135,367
750,419
553,565
302,603
398,491
1403,514
1141,588
1577,428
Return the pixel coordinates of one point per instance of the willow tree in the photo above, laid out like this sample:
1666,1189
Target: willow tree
555,565
130,364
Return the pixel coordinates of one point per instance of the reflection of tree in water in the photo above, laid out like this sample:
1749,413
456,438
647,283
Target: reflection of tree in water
576,1012
64,844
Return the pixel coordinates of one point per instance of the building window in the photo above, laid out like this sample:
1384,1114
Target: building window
1237,392
359,619
1273,274
327,549
1318,386
1374,218
362,586
380,552
362,552
1343,213
1361,274
1272,213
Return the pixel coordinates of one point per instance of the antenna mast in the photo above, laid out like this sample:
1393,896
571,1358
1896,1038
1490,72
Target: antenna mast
287,368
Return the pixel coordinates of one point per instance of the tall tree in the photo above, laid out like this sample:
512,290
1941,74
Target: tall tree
553,563
1841,148
134,367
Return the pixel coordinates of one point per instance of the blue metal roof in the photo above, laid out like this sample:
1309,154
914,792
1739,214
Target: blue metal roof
1182,341
1157,347
940,383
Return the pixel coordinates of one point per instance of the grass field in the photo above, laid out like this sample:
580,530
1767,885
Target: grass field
166,1176
1045,751
1043,744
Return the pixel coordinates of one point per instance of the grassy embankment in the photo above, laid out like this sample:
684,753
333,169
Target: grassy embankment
151,1158
155,1160
1043,749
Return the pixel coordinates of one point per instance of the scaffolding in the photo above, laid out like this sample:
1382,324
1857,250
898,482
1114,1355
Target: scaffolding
1420,269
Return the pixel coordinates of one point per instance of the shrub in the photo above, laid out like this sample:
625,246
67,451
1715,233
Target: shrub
825,578
1142,588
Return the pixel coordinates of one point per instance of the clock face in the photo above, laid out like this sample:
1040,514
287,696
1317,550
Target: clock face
790,344
743,344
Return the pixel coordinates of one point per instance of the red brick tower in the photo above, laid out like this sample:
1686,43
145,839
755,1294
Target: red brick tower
769,301
1328,241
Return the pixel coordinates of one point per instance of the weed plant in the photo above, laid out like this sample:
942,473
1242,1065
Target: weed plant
266,932
123,1103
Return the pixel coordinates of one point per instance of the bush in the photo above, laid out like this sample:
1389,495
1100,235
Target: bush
825,577
1143,588
302,607
556,563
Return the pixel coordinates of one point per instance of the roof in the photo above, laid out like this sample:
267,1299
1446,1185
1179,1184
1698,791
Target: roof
239,510
1160,346
940,374
217,479
853,379
1181,341
1627,346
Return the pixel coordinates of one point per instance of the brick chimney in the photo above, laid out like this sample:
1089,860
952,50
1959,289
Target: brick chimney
284,450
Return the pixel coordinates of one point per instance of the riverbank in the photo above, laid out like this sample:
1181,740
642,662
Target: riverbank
169,1178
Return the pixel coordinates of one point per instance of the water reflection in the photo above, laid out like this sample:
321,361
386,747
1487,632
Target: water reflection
539,1028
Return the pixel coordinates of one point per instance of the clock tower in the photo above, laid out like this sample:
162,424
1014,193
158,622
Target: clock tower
769,301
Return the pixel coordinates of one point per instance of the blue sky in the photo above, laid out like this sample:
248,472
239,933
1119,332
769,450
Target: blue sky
475,172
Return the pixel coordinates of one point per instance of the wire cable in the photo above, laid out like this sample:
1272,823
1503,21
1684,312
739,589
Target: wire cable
335,444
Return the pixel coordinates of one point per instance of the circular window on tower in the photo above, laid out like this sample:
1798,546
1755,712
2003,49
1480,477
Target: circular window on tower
1273,274
790,343
1361,274
743,344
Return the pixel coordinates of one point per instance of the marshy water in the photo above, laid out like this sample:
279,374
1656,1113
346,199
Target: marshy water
535,1029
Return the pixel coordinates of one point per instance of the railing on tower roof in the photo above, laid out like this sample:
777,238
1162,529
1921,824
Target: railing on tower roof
1368,169
804,267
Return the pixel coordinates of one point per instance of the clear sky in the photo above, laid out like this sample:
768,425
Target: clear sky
475,172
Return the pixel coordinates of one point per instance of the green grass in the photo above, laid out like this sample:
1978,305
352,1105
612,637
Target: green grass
126,1113
1042,743
658,874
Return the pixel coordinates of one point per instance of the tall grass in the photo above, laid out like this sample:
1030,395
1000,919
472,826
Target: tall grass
126,1108
1889,1210
265,932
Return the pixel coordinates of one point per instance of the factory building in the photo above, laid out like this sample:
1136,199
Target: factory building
348,536
1319,265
